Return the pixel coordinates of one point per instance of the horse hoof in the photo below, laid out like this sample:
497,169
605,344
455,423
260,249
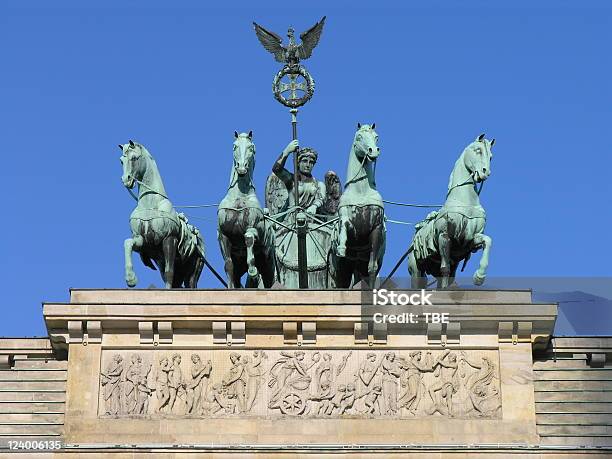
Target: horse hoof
131,280
478,279
253,271
341,251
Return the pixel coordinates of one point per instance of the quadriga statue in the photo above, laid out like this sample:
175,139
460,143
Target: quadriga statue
246,239
450,235
163,237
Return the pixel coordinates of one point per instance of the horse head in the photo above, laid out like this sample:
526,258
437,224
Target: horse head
365,144
244,153
477,158
134,163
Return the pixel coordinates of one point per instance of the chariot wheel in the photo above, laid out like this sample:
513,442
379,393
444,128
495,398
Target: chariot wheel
293,404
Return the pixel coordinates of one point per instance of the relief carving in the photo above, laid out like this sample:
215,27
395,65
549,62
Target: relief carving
326,383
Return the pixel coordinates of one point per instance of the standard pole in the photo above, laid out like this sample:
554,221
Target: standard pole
294,112
300,219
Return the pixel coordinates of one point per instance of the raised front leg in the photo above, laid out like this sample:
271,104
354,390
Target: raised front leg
484,241
169,247
134,243
343,213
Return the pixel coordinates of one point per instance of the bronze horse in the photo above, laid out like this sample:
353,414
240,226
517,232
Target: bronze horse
450,235
357,253
161,236
246,240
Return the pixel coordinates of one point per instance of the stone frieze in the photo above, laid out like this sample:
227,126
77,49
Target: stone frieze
300,383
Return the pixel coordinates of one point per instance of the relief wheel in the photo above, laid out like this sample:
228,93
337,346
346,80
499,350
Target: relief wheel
293,404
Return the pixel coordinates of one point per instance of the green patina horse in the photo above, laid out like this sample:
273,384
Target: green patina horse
246,241
159,234
357,252
450,235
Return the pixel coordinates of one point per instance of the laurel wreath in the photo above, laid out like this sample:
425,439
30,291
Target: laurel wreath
293,70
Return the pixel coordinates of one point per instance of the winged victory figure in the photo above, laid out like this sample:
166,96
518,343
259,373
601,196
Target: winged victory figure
291,54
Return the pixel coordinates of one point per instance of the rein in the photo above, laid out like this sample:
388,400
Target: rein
361,168
468,181
147,187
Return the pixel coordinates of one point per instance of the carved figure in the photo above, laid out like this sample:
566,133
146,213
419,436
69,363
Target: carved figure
200,373
143,393
324,372
357,252
319,402
391,372
130,380
235,382
246,240
484,397
370,401
214,400
347,402
176,384
452,234
158,234
111,380
163,391
446,383
366,373
411,380
254,372
291,54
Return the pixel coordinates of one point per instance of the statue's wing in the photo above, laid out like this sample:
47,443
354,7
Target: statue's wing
277,195
310,39
330,204
270,41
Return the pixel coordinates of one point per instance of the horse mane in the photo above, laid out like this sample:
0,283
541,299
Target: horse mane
144,150
451,179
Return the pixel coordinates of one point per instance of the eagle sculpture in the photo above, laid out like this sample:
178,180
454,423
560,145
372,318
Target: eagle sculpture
291,54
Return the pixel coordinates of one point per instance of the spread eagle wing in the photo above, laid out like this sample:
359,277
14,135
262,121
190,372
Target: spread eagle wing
271,42
310,39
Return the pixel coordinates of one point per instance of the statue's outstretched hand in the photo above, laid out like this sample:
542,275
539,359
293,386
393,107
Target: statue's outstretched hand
291,147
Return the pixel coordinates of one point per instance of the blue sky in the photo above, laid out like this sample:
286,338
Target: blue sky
78,78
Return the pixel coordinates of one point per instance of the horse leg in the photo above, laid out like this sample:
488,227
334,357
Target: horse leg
226,250
134,243
169,248
418,279
252,273
197,271
441,226
343,213
375,242
485,242
344,272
